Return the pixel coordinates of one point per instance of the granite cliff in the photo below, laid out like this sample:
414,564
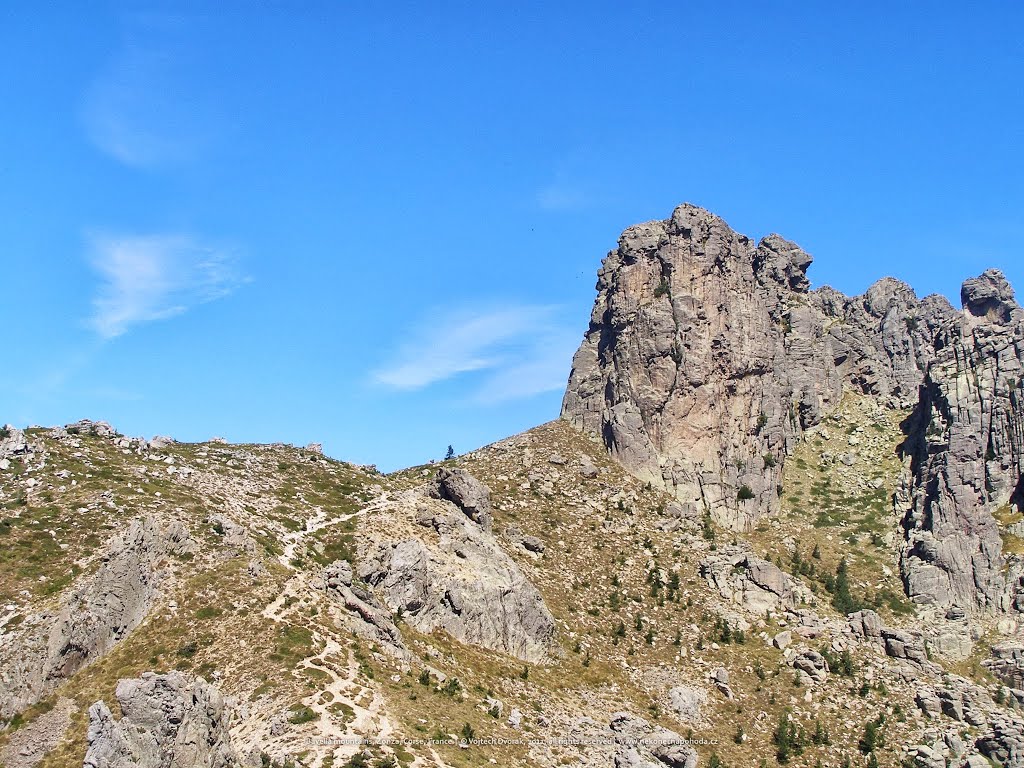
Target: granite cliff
708,357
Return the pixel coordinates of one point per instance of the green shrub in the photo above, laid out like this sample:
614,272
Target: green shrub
302,715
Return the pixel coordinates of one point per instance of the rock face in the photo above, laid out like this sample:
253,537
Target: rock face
372,620
702,358
967,452
93,618
455,577
707,356
166,721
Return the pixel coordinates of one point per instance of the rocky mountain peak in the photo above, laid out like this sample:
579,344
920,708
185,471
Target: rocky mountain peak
989,296
708,359
782,262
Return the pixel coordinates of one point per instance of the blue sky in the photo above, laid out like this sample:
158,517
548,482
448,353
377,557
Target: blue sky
377,226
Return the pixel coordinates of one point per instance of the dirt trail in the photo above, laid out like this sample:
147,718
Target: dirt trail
346,707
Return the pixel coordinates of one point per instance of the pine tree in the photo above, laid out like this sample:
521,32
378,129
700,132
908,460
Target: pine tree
842,600
820,737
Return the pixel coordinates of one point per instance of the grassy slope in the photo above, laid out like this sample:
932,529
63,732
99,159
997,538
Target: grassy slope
624,640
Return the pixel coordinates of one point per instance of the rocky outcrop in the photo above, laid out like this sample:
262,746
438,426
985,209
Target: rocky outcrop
811,666
967,454
898,644
707,356
166,721
755,584
514,534
641,745
89,427
13,443
467,493
1003,741
371,620
1001,733
93,618
882,342
1007,663
455,577
235,538
687,702
703,357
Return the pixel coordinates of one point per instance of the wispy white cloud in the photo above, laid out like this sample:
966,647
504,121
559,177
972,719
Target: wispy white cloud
517,351
143,109
544,369
154,277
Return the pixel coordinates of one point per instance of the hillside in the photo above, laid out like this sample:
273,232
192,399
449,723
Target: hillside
773,524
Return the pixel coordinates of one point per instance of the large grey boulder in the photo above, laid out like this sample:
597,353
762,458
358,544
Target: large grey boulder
813,665
166,721
467,493
454,576
753,583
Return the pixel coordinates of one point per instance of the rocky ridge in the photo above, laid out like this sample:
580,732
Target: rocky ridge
708,357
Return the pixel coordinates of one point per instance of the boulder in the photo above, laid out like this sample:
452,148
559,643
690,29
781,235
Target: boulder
460,581
467,493
813,665
687,702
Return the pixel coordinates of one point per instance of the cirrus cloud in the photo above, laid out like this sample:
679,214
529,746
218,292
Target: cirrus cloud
144,278
516,350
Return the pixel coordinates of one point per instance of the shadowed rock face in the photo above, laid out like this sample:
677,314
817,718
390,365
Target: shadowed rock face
967,449
707,357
